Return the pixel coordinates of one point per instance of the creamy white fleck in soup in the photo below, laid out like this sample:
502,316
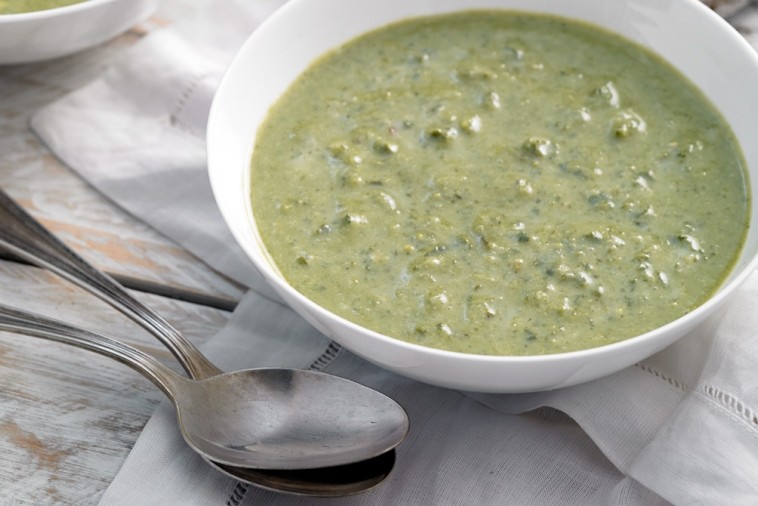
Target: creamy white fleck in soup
499,183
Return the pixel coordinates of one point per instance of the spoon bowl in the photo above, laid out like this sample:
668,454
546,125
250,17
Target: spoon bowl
273,418
323,482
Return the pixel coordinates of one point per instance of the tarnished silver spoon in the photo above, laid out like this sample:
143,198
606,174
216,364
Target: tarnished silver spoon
285,419
190,398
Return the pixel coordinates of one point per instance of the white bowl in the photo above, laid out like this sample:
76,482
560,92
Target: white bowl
42,35
696,41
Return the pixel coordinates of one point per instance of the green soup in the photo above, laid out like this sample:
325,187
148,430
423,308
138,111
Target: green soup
19,6
499,183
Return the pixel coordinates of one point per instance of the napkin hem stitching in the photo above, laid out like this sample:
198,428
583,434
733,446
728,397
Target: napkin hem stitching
188,90
668,379
730,403
718,397
329,354
238,494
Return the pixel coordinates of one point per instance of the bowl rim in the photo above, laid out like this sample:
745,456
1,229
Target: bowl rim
735,277
54,11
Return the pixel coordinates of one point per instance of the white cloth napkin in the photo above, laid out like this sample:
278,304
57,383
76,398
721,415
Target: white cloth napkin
681,427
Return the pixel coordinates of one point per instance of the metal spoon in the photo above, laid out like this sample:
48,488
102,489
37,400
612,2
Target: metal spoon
337,422
21,231
324,482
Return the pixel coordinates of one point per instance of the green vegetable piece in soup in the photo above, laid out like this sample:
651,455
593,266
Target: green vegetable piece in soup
499,183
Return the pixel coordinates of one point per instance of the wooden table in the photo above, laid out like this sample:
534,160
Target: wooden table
68,418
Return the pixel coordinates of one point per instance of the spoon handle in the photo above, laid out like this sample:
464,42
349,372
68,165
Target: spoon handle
24,322
26,237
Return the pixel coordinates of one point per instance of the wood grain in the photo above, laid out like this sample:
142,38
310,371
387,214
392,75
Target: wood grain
68,417
78,214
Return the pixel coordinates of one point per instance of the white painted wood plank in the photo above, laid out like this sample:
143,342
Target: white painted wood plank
65,203
69,417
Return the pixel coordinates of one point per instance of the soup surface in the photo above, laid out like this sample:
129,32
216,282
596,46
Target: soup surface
18,6
499,183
